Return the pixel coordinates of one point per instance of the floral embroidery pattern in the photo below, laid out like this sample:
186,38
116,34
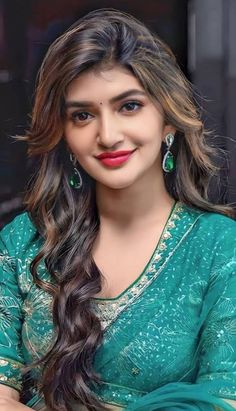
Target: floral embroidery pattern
7,262
10,372
153,325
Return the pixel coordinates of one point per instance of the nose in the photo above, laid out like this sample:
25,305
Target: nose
109,134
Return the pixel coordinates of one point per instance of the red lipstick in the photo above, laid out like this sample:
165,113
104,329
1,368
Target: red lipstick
115,158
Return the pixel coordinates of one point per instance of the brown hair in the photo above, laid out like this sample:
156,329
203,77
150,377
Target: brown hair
67,219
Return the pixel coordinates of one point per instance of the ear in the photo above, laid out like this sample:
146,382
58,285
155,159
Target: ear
168,129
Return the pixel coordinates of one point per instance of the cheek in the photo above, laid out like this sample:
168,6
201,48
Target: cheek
150,126
77,140
150,135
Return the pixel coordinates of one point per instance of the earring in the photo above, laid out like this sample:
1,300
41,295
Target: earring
168,163
75,180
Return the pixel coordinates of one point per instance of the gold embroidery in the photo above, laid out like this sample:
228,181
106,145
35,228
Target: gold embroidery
3,378
135,371
11,381
11,373
166,235
7,361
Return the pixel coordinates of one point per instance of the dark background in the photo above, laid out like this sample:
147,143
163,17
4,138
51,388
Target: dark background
201,33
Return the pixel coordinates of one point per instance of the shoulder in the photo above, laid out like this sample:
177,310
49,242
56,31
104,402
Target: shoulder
213,238
213,226
209,249
18,233
217,221
219,246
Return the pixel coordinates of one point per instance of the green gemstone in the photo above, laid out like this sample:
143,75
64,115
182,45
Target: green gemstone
75,180
168,162
72,181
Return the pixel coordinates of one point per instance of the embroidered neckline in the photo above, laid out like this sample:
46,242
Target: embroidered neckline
107,309
155,255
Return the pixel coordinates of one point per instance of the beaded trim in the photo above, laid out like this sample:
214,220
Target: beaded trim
108,310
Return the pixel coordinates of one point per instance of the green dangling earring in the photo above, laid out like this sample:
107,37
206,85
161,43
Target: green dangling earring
75,179
168,163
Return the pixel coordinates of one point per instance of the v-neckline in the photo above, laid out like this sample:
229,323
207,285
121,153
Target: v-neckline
180,222
160,244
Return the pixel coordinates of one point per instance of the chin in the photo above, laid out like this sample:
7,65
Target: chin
118,185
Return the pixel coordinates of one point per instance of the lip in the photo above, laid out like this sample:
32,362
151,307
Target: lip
115,159
114,154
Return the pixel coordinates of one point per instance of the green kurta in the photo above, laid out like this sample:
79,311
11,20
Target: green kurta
169,338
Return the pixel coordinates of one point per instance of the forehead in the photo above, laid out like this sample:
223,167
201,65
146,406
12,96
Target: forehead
102,85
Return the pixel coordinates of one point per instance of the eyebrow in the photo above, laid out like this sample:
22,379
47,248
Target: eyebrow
128,93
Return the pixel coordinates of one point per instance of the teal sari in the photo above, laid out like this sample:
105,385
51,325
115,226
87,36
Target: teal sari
169,338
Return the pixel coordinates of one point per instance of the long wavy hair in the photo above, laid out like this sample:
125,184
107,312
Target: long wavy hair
67,219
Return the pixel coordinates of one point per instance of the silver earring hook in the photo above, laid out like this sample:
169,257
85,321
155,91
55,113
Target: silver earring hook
75,180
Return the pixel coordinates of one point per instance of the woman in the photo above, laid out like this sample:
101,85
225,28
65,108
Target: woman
118,282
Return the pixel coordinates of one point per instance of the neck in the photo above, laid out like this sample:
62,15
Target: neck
141,202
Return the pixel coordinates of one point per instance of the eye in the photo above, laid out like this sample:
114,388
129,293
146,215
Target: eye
80,116
131,106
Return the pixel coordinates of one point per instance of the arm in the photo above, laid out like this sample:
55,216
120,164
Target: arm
9,400
11,360
8,392
217,359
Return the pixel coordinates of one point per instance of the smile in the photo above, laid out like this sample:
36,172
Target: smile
114,159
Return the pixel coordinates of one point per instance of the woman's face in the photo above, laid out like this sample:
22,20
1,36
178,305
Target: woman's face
113,128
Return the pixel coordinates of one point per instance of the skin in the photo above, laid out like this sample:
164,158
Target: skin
132,199
9,400
106,125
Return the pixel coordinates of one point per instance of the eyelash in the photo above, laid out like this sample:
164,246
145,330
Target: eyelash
76,114
137,103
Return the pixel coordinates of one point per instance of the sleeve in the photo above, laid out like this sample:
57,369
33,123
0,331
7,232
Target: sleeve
216,374
217,361
11,361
